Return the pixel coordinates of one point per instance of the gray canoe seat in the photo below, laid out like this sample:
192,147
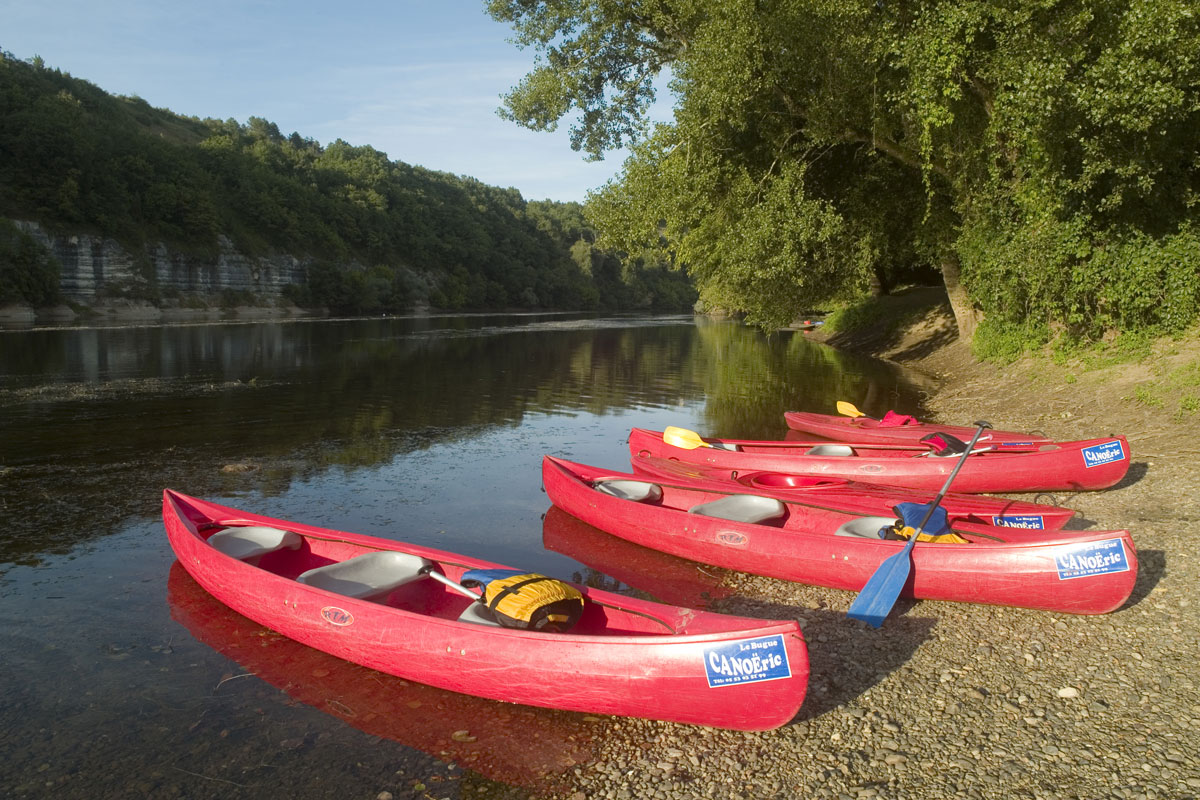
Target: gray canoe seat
865,527
741,508
830,450
253,541
639,491
367,577
479,615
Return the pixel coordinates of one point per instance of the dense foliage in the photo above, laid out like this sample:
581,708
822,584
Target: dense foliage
27,272
383,235
1044,155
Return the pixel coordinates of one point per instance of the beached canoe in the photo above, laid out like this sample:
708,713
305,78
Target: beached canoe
372,603
1078,572
1060,466
854,496
884,431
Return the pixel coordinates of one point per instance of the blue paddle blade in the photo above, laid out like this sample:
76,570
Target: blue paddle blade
876,599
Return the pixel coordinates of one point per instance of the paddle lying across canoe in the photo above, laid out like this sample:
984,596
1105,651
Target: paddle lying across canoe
1060,466
854,496
372,601
883,431
1078,572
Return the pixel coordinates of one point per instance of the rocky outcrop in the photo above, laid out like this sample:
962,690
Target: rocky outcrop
94,268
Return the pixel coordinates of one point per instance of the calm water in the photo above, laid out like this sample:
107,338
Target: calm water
120,676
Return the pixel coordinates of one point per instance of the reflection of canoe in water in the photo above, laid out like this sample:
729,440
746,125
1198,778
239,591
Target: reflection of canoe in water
624,656
668,578
475,732
1065,466
854,496
1078,572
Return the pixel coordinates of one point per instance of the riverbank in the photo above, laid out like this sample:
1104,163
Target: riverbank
128,312
952,700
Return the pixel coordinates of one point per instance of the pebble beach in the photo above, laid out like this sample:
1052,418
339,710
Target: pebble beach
969,701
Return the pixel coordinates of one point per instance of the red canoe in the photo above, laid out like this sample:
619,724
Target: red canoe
1079,572
860,498
1061,466
625,656
873,431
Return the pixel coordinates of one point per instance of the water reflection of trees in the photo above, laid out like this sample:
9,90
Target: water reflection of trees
95,422
750,378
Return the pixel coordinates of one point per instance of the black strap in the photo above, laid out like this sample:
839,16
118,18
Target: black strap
513,589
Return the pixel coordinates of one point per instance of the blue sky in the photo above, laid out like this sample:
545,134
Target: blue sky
418,79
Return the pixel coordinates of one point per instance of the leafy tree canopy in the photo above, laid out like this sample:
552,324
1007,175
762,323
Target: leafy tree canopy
1044,155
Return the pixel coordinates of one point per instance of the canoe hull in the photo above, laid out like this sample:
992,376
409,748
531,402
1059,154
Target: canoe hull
1070,466
664,676
1080,572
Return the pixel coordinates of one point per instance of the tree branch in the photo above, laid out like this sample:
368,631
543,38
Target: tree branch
893,150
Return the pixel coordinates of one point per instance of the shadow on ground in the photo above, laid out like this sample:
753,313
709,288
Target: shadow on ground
1152,566
845,657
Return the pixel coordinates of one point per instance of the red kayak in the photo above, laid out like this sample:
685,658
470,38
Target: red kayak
1060,466
900,429
1078,572
373,603
853,496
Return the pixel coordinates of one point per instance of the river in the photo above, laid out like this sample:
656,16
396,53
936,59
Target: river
120,676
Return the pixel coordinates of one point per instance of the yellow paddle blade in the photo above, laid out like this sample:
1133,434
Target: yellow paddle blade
682,437
848,409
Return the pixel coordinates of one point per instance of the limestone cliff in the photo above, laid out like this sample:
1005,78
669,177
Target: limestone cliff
94,267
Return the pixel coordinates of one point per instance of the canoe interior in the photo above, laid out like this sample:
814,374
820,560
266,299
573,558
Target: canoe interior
817,521
983,450
430,598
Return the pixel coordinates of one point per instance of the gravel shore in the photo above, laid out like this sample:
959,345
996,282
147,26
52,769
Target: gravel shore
964,701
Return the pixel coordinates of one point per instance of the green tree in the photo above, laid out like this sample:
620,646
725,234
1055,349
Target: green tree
28,274
1042,155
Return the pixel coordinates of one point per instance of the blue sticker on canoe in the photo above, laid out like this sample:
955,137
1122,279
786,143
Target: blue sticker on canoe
747,661
1093,558
1105,453
1016,444
1029,521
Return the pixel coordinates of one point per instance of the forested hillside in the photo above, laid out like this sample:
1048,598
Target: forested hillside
377,234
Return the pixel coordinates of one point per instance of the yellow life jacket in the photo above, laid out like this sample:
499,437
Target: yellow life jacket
528,600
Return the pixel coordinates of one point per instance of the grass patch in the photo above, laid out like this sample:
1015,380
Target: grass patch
1004,344
1177,389
878,315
